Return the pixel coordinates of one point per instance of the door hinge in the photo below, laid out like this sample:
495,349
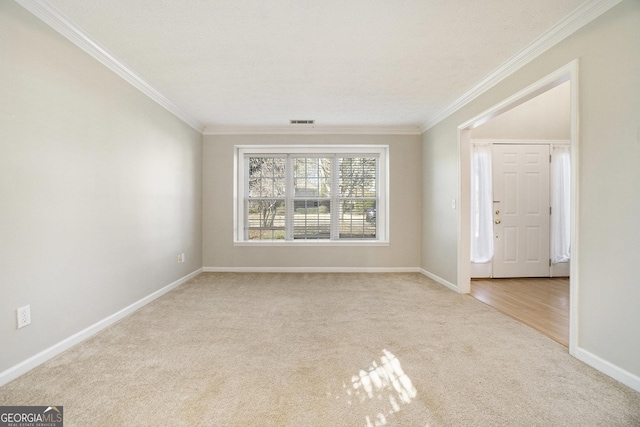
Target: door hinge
549,210
549,262
549,158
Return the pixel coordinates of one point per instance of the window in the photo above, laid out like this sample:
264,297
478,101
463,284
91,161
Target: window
297,194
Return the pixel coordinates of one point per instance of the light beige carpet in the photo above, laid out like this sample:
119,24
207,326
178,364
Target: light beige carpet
322,350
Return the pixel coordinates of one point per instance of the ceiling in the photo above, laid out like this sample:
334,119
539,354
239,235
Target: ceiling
359,63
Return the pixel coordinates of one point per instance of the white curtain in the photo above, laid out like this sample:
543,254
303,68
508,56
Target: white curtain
481,204
560,204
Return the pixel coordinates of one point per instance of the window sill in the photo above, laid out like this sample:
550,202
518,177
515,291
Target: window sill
298,243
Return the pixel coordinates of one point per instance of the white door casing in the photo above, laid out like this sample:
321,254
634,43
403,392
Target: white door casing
521,210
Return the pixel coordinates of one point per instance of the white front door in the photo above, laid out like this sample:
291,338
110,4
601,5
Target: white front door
521,210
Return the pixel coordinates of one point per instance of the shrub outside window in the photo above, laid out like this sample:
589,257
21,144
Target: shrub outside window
289,194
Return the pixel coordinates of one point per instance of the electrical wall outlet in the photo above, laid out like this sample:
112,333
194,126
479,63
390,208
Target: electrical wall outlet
179,258
182,258
24,316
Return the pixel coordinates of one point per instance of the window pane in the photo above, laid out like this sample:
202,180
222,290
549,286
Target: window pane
358,219
312,177
265,219
266,176
314,195
358,196
358,177
312,219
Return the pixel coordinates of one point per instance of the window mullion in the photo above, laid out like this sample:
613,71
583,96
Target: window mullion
289,202
335,198
245,198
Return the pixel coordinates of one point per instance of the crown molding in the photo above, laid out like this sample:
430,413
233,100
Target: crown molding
311,130
56,20
563,29
573,22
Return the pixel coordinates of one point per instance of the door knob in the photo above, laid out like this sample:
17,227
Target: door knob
497,221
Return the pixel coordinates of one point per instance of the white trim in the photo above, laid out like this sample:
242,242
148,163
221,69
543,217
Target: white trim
580,17
568,72
523,141
311,242
481,270
56,20
49,353
313,148
563,29
439,280
608,368
312,130
464,211
574,277
311,269
550,81
241,178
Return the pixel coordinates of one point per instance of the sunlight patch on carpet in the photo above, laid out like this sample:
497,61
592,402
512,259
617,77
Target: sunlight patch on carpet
383,383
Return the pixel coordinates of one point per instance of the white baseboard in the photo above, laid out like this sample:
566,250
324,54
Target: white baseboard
604,366
311,269
608,368
440,280
615,372
38,359
481,270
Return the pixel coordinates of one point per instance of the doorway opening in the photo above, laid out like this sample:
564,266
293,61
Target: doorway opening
567,74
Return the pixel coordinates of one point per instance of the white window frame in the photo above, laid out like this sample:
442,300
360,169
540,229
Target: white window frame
382,206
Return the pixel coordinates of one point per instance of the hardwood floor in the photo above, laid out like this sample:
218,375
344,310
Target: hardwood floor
542,304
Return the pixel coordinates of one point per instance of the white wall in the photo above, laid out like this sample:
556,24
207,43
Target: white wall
609,141
100,189
402,252
547,116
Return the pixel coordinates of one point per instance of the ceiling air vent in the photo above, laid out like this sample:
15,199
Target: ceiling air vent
302,122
